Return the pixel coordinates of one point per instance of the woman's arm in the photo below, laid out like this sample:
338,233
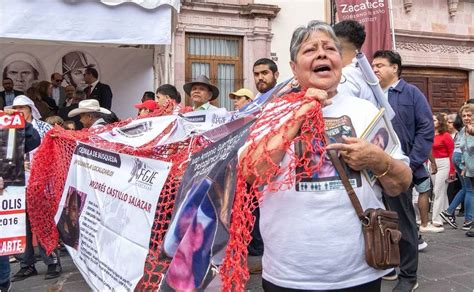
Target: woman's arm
276,143
394,175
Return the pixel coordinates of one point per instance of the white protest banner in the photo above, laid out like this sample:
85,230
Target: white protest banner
12,220
201,121
106,213
12,184
194,123
139,132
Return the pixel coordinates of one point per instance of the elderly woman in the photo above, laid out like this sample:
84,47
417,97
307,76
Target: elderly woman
463,162
313,238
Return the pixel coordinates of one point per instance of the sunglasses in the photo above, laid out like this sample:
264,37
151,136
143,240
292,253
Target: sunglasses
59,80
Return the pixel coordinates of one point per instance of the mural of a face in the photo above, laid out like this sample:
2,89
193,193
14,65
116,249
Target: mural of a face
74,65
23,68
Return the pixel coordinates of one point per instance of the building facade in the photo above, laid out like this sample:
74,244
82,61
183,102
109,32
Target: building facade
436,41
223,39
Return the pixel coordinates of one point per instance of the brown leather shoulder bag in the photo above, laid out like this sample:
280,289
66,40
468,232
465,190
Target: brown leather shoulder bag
380,227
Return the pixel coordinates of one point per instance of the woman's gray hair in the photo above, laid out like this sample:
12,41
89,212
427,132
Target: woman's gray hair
303,32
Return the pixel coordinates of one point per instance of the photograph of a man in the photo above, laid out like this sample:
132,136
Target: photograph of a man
68,224
381,138
24,69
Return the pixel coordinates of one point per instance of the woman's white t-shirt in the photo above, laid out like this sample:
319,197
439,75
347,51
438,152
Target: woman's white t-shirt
313,239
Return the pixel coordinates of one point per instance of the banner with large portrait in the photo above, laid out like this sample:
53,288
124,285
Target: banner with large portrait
12,184
128,78
199,231
106,213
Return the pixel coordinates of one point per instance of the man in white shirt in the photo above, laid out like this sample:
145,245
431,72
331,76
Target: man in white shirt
58,92
351,35
201,91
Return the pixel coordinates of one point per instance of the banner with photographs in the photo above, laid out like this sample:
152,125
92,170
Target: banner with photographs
106,213
199,229
12,184
327,178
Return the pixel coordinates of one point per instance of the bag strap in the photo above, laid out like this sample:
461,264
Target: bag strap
336,161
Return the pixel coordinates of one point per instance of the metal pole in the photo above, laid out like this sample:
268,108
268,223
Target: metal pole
392,26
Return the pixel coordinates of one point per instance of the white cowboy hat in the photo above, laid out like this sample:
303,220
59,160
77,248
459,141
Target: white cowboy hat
88,106
25,100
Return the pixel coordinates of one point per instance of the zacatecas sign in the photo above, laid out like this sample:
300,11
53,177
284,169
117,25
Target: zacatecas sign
374,15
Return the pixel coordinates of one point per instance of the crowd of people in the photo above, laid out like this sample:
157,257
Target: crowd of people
304,250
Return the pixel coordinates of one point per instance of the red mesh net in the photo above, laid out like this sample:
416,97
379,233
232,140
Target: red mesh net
270,138
52,159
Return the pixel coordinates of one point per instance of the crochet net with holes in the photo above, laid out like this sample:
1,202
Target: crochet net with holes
52,159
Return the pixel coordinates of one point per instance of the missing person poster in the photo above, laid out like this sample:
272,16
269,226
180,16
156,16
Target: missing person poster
199,229
12,184
106,213
327,178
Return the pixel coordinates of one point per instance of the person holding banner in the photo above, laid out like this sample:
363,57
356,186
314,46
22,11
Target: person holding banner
202,91
26,106
313,238
241,98
32,140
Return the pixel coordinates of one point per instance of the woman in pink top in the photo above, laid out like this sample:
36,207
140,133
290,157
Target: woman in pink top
443,146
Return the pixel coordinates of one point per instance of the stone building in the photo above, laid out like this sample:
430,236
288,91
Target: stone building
436,41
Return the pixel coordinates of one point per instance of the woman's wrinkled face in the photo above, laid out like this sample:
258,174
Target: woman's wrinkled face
318,63
466,117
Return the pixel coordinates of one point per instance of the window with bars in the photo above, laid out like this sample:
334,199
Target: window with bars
220,59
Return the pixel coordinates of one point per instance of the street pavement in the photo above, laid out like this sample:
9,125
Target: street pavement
446,265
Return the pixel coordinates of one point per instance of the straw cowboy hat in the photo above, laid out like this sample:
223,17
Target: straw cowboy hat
88,106
202,79
242,92
25,100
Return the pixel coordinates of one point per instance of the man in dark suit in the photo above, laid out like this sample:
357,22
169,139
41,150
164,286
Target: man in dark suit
8,94
96,89
58,93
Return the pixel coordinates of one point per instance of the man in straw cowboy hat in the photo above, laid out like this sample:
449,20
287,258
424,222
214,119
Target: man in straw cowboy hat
201,92
90,112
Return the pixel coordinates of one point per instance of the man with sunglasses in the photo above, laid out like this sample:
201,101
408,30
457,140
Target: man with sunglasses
58,93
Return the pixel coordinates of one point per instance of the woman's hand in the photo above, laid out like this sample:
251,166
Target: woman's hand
394,175
358,153
434,168
469,129
317,96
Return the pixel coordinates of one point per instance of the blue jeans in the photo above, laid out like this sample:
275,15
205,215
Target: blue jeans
4,269
465,194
